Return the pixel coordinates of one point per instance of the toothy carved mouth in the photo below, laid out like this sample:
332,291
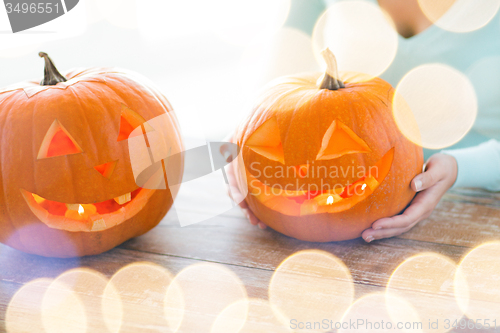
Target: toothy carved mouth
299,203
87,217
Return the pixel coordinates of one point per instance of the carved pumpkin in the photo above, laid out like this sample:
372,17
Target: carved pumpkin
323,159
67,184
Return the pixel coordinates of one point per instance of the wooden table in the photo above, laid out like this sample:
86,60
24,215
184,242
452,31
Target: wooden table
463,219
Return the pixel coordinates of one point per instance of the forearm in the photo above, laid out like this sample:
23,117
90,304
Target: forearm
304,13
478,166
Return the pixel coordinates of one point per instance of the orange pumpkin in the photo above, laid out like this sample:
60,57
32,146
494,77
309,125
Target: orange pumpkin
322,157
68,188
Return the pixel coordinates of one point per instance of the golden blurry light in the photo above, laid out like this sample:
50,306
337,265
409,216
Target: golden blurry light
252,315
309,286
460,15
287,52
360,34
133,299
426,282
232,318
476,288
24,309
62,310
434,10
89,286
242,22
434,105
174,306
380,312
206,289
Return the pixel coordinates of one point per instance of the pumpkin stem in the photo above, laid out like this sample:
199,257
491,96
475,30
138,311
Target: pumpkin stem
51,75
330,80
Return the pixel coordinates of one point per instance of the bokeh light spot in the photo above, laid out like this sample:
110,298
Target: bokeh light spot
460,15
309,286
476,288
206,289
24,309
133,299
89,286
426,282
62,310
360,34
381,312
248,316
434,105
287,52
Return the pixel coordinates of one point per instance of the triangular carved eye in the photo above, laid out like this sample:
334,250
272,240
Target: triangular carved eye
340,140
58,142
266,141
130,120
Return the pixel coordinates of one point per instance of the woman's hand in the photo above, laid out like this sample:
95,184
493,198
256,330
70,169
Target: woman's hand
235,191
440,174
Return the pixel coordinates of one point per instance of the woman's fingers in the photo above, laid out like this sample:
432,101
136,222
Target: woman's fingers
426,179
235,194
371,235
393,226
254,220
440,167
227,149
420,208
234,191
250,216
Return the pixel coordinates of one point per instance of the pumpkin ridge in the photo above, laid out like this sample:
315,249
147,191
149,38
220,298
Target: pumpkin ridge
269,114
81,111
378,118
84,114
92,139
2,162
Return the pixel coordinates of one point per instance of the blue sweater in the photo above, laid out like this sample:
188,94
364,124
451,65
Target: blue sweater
477,55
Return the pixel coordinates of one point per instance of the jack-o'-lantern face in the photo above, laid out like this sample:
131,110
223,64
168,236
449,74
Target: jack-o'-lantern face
336,179
79,209
69,187
322,160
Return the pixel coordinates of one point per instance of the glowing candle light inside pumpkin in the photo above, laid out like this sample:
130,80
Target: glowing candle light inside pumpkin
329,201
80,210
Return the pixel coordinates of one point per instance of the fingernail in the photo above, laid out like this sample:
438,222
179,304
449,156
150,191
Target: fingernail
245,212
377,227
369,239
262,226
418,185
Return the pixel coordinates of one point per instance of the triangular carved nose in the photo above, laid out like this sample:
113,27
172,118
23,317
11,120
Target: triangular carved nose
106,169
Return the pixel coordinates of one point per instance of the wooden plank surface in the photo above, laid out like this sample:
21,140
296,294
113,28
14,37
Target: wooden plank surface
463,220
